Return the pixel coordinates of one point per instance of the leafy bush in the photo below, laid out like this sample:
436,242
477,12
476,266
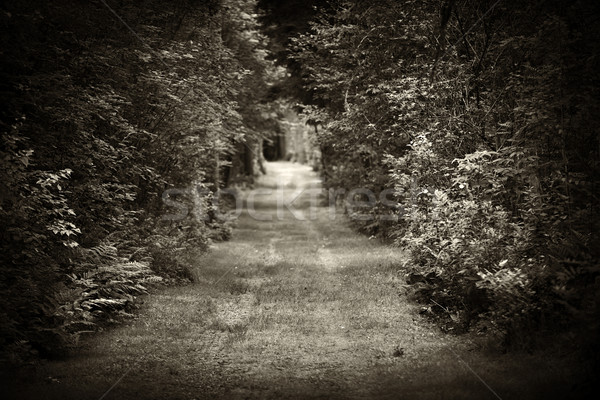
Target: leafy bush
469,248
485,123
97,125
102,294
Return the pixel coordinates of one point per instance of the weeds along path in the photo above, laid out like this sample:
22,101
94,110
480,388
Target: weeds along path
295,306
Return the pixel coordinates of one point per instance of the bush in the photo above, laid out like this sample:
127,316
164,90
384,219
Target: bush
95,128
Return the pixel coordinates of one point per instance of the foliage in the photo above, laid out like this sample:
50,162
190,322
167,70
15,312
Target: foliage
483,116
98,125
470,250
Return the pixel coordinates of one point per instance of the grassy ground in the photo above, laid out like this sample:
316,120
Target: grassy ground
291,309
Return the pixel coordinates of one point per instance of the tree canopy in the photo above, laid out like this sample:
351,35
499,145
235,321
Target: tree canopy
483,118
474,124
121,120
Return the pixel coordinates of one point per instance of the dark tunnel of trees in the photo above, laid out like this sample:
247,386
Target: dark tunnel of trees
482,116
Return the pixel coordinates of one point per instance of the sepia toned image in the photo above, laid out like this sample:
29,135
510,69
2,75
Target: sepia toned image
299,199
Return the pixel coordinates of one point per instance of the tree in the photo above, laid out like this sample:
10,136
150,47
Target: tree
483,117
118,122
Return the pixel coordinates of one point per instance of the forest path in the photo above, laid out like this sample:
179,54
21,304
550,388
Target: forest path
295,306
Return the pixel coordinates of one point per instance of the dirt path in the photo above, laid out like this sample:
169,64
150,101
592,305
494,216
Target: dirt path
290,308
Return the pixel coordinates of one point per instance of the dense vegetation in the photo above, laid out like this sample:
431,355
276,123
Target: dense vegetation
483,116
120,120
